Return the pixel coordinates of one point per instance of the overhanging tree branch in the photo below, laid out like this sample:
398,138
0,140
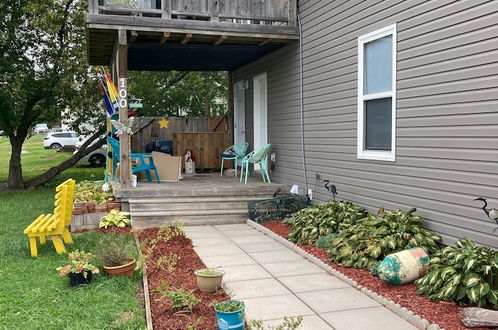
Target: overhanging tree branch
86,148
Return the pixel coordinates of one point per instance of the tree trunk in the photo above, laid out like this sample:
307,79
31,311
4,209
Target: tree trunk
53,171
15,180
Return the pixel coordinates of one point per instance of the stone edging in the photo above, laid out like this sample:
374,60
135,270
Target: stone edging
397,309
145,282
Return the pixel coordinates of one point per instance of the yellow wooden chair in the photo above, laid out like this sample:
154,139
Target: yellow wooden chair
54,225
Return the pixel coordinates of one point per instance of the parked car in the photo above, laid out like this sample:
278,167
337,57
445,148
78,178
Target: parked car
96,158
59,140
41,128
2,132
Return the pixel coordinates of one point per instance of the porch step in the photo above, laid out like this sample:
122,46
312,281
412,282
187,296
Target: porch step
197,203
148,222
186,213
202,200
137,201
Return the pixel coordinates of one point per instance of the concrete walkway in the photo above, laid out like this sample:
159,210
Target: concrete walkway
274,282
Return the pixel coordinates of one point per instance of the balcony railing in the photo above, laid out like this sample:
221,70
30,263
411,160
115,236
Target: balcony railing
268,12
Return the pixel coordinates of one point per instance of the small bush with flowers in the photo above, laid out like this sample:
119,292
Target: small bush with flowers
79,262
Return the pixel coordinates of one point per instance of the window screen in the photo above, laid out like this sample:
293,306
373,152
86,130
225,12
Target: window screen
378,122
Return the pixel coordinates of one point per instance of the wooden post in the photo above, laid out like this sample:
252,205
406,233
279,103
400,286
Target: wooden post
214,10
124,139
166,8
93,6
230,103
292,13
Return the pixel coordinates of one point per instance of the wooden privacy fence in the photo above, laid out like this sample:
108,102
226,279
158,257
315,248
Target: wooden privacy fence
206,137
206,147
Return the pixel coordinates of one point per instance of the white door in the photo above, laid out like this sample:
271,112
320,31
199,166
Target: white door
260,112
239,112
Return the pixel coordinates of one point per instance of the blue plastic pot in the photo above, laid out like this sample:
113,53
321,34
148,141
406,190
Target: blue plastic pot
231,320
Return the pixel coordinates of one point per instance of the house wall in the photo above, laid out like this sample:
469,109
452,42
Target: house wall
447,109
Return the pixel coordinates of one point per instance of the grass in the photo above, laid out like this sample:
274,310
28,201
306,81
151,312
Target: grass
32,295
37,160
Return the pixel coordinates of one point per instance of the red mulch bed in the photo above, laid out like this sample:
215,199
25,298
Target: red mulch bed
109,230
163,317
445,314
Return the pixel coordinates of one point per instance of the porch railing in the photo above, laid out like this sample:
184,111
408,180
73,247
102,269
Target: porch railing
280,12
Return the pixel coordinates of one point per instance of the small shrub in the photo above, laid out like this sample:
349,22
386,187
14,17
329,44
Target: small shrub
114,250
289,323
169,231
320,220
373,238
461,274
168,263
182,301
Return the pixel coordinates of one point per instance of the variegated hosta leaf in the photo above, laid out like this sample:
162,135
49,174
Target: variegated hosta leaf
472,280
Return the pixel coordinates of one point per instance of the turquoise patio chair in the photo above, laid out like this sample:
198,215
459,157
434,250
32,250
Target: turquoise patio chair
146,163
234,152
259,157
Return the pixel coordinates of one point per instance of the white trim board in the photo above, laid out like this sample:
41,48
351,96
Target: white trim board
362,153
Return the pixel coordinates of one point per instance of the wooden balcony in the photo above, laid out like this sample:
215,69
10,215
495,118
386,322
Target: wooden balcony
195,35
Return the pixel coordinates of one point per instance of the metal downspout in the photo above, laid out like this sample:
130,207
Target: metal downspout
301,99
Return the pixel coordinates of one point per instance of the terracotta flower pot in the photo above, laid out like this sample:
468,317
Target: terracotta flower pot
209,280
123,270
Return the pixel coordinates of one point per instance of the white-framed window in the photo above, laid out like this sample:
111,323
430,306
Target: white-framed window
377,95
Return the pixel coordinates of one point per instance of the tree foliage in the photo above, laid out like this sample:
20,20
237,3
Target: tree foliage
180,93
43,71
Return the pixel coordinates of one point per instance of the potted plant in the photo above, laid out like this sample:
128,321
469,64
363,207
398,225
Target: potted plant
116,255
209,280
79,270
230,314
115,218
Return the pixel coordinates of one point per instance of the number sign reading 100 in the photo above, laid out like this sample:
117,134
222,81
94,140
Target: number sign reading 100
123,99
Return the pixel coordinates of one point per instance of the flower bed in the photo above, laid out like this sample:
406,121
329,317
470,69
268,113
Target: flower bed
445,314
163,315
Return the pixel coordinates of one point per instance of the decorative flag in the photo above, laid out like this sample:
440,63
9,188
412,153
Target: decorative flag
113,92
107,101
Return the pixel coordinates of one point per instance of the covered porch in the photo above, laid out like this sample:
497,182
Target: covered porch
183,35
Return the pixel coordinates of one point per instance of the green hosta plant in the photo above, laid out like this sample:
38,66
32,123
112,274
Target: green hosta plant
320,220
325,242
461,274
373,238
88,191
115,218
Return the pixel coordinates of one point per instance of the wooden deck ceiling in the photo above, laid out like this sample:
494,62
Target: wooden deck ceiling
158,44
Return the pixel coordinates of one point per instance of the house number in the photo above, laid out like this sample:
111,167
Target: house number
123,101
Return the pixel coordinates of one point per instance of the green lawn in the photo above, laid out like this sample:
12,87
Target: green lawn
36,160
32,295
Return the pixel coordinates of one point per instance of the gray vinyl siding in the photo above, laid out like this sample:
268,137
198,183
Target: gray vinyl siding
283,111
447,109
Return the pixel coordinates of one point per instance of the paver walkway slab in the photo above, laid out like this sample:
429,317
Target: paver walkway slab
275,282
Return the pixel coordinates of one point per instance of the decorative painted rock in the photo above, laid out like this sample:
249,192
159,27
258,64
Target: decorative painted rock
403,267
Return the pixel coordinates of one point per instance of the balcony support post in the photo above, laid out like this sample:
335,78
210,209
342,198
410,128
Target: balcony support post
292,13
121,84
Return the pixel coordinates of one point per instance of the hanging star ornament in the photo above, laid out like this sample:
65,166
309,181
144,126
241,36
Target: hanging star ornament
163,123
123,128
